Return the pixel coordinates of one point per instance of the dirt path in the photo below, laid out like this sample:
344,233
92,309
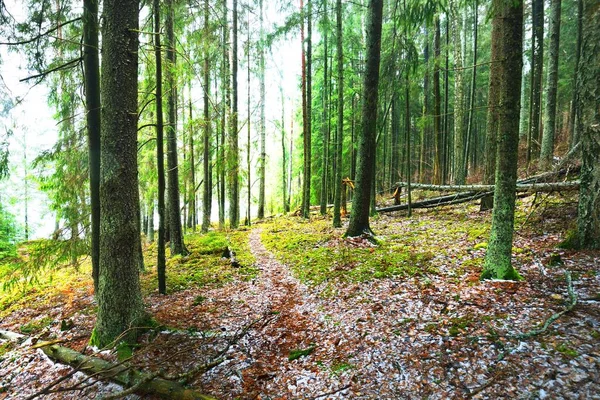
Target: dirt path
294,320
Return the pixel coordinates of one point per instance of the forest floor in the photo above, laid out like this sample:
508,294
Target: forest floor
311,315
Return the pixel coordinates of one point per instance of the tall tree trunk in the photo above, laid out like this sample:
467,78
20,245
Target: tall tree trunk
160,157
234,162
425,117
459,102
91,67
573,125
120,306
249,179
588,220
446,142
325,116
437,109
263,151
206,153
359,218
337,198
491,132
175,231
468,144
549,132
226,102
151,220
509,14
193,218
307,112
284,166
537,58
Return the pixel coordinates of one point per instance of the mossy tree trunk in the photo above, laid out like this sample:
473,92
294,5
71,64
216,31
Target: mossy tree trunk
337,198
508,16
549,131
176,232
437,110
325,115
491,130
307,114
233,151
120,305
588,222
160,156
459,98
359,218
92,103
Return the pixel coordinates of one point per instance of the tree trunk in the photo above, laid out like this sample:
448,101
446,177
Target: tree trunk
446,142
337,198
307,112
437,109
145,383
588,220
206,153
359,218
92,104
175,231
537,59
263,151
573,125
459,104
491,131
151,220
120,305
234,162
160,157
325,116
248,123
551,87
468,145
226,101
497,263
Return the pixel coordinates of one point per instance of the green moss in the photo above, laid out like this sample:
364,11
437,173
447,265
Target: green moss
571,241
482,245
566,351
316,254
36,326
204,266
5,348
297,353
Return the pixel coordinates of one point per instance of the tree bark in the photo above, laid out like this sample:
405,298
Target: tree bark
573,125
234,162
91,67
588,220
160,157
437,109
537,58
307,117
325,116
459,103
491,131
175,231
263,151
206,153
359,218
497,263
120,305
549,132
337,198
144,383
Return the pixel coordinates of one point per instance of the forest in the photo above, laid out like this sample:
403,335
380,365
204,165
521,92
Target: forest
318,199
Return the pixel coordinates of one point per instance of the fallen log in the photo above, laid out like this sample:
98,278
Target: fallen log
12,336
521,187
144,383
457,198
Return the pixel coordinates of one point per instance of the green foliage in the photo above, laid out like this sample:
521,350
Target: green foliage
8,234
316,254
566,351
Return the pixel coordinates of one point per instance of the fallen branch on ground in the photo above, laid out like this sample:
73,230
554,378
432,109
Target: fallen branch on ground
521,187
127,377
